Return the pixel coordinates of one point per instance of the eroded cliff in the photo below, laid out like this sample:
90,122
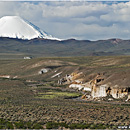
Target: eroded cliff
97,86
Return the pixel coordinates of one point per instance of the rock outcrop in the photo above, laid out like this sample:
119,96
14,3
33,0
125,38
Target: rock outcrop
70,78
96,86
5,76
102,90
44,70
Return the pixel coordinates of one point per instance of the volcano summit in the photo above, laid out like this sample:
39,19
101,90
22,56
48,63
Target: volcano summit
16,27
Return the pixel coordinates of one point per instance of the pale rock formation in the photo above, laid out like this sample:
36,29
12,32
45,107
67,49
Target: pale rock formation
5,76
96,86
128,98
76,86
99,91
71,78
104,90
86,89
56,75
27,58
80,86
44,70
119,92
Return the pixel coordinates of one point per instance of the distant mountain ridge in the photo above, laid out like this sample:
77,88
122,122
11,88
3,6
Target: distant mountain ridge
71,47
19,36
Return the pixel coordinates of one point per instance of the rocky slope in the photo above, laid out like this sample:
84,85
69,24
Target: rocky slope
96,86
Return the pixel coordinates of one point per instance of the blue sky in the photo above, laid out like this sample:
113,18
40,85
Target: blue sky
77,19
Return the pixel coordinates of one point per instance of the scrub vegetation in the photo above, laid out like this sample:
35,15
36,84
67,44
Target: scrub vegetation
29,100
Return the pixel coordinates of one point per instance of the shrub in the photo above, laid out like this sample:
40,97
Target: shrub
63,125
9,125
5,124
79,126
28,125
52,125
20,125
55,125
37,126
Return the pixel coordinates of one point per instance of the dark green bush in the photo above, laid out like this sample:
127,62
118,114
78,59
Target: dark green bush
5,124
20,125
55,125
79,126
37,126
63,125
29,125
52,125
9,125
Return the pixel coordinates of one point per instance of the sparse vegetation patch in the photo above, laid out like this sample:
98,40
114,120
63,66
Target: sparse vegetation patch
54,94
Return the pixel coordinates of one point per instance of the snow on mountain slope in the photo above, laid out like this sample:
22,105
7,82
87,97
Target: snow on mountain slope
16,27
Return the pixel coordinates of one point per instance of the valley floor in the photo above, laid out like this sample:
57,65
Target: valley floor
27,97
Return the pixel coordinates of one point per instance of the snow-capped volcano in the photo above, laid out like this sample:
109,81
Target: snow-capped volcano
16,27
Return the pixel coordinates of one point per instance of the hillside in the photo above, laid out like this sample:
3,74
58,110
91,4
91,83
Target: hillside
54,48
115,68
31,92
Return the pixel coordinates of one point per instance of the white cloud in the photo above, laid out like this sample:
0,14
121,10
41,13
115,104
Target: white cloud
81,19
